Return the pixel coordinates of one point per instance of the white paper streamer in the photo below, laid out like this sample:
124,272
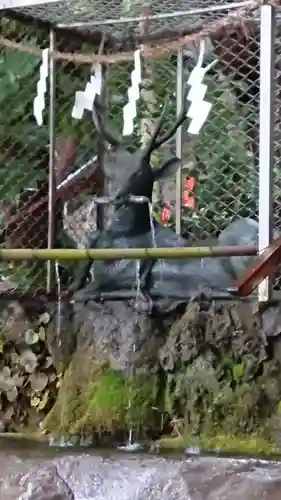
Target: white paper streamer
39,101
84,100
199,109
130,109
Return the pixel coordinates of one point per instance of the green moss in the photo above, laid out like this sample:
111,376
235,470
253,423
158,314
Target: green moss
94,399
217,385
244,445
37,437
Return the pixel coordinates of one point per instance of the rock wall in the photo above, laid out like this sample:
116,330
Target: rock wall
210,370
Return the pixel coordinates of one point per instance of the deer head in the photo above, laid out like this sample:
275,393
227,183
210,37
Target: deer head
131,174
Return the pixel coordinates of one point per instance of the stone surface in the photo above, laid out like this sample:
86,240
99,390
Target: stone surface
38,483
120,334
132,477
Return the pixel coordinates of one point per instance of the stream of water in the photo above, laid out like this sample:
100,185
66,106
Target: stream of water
32,471
132,444
58,315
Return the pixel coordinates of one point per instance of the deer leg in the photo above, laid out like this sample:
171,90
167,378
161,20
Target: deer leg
83,270
145,283
146,274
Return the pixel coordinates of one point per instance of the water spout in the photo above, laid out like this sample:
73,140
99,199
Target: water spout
138,280
131,375
152,228
140,200
153,236
58,316
132,444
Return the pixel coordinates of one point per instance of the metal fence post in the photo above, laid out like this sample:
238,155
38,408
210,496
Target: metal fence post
52,139
179,91
266,139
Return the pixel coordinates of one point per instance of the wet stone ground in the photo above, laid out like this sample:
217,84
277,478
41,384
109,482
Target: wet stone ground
32,473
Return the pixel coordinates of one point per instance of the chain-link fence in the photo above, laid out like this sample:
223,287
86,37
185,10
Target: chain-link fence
220,164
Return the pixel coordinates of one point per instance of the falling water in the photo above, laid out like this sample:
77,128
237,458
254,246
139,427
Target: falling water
153,236
152,228
58,318
138,282
91,207
88,227
130,444
131,377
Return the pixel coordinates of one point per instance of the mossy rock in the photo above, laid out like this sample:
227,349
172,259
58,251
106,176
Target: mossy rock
96,400
251,445
221,375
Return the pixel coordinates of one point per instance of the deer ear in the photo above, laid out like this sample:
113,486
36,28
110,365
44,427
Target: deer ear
167,170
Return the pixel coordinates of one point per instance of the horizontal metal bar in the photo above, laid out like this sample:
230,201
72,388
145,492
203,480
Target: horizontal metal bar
31,296
222,296
167,15
80,173
107,254
115,295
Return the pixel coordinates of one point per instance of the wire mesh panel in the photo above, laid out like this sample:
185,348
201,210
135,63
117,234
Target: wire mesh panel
125,16
224,157
83,171
276,137
221,161
24,162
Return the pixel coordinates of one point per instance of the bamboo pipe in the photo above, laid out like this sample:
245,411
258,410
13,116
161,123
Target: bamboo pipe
21,254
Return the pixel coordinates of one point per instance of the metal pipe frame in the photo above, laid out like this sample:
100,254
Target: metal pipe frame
52,140
168,15
266,137
179,133
109,254
20,4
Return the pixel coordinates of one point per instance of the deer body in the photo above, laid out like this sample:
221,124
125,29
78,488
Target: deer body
176,279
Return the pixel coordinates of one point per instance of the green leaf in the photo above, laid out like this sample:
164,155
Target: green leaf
44,319
12,394
238,371
42,333
34,401
19,64
48,362
44,400
28,360
38,381
31,337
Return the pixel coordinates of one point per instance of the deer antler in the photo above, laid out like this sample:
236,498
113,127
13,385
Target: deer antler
98,114
99,109
180,119
155,143
152,141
